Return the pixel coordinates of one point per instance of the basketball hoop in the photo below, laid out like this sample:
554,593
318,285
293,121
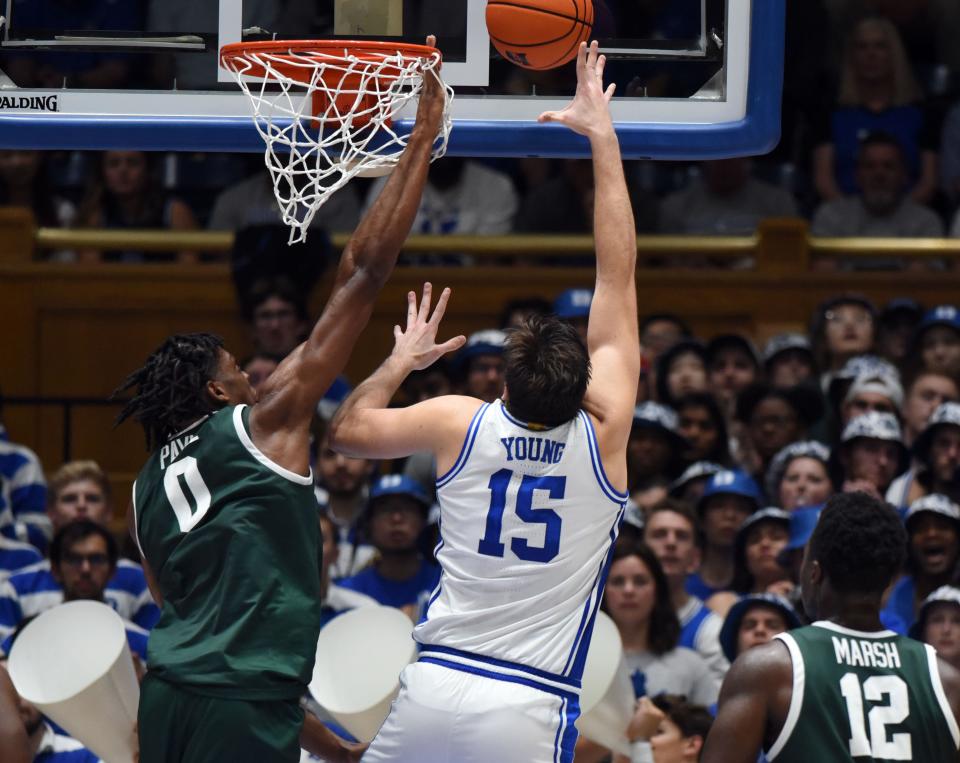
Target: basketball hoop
325,110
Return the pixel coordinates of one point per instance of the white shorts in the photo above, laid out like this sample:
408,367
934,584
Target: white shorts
461,714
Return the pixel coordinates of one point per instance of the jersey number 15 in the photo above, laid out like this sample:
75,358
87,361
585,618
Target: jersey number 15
491,545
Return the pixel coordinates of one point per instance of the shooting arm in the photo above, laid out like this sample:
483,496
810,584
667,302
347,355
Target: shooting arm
289,398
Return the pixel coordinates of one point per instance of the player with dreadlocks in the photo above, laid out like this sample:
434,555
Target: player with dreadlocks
225,516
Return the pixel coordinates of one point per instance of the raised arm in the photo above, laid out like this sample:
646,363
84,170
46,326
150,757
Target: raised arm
288,400
612,334
364,427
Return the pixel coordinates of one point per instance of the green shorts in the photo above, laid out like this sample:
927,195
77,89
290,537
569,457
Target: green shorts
179,726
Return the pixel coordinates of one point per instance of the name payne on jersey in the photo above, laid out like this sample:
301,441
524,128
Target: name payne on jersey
174,448
866,654
533,449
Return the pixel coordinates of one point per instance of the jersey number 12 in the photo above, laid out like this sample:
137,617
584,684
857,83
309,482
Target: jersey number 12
491,545
879,744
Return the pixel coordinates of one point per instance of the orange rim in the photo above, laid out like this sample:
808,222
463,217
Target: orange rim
291,53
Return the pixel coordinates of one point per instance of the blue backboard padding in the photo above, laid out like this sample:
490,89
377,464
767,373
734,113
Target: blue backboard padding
757,133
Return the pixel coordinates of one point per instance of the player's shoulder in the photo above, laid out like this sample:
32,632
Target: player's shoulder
761,668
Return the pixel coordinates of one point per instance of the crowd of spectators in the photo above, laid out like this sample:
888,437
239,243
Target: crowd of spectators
870,146
733,452
734,447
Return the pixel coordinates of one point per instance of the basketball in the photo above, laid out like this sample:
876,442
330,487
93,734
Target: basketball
539,34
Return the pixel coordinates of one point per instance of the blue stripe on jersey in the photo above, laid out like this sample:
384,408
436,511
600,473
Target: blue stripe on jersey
578,654
466,447
609,490
534,673
439,588
567,733
558,737
498,676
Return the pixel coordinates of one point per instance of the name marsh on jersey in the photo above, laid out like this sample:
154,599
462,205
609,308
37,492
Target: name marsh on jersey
866,654
538,449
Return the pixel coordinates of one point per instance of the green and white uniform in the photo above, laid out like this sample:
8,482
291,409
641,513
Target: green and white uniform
233,542
864,697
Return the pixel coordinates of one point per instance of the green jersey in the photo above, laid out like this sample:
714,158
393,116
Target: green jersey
864,697
233,541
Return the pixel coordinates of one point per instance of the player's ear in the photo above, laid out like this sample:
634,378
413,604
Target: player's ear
506,394
692,746
217,392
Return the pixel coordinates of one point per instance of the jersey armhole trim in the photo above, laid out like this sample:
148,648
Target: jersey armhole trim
796,698
466,448
609,490
254,451
136,525
941,694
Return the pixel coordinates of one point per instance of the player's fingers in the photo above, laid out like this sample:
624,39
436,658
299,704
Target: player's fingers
611,89
411,307
592,55
431,40
397,333
425,302
453,344
581,58
601,62
441,307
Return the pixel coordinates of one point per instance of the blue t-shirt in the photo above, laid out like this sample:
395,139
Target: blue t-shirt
898,614
394,593
849,125
696,587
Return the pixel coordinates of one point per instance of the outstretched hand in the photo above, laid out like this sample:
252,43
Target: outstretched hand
433,96
589,111
416,346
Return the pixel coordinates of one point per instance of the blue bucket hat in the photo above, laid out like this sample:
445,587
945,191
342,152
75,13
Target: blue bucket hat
731,482
399,484
803,521
942,315
696,471
731,624
573,303
486,342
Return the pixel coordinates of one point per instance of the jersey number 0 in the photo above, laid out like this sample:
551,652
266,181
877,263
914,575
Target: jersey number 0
180,480
491,545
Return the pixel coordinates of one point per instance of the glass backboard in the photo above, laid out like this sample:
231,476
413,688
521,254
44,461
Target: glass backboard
695,78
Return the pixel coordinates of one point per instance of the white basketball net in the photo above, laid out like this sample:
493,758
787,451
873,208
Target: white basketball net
312,156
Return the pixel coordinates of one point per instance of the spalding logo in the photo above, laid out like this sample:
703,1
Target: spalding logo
32,103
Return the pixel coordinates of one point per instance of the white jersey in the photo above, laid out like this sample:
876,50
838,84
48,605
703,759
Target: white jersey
528,519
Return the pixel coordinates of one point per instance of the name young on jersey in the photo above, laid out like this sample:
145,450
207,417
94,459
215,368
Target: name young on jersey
866,654
536,449
170,451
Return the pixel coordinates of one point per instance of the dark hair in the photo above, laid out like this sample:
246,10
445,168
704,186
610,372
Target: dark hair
879,138
684,509
97,199
534,305
860,543
676,320
664,624
721,451
743,580
667,359
818,325
918,372
171,386
76,531
280,287
692,720
546,370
